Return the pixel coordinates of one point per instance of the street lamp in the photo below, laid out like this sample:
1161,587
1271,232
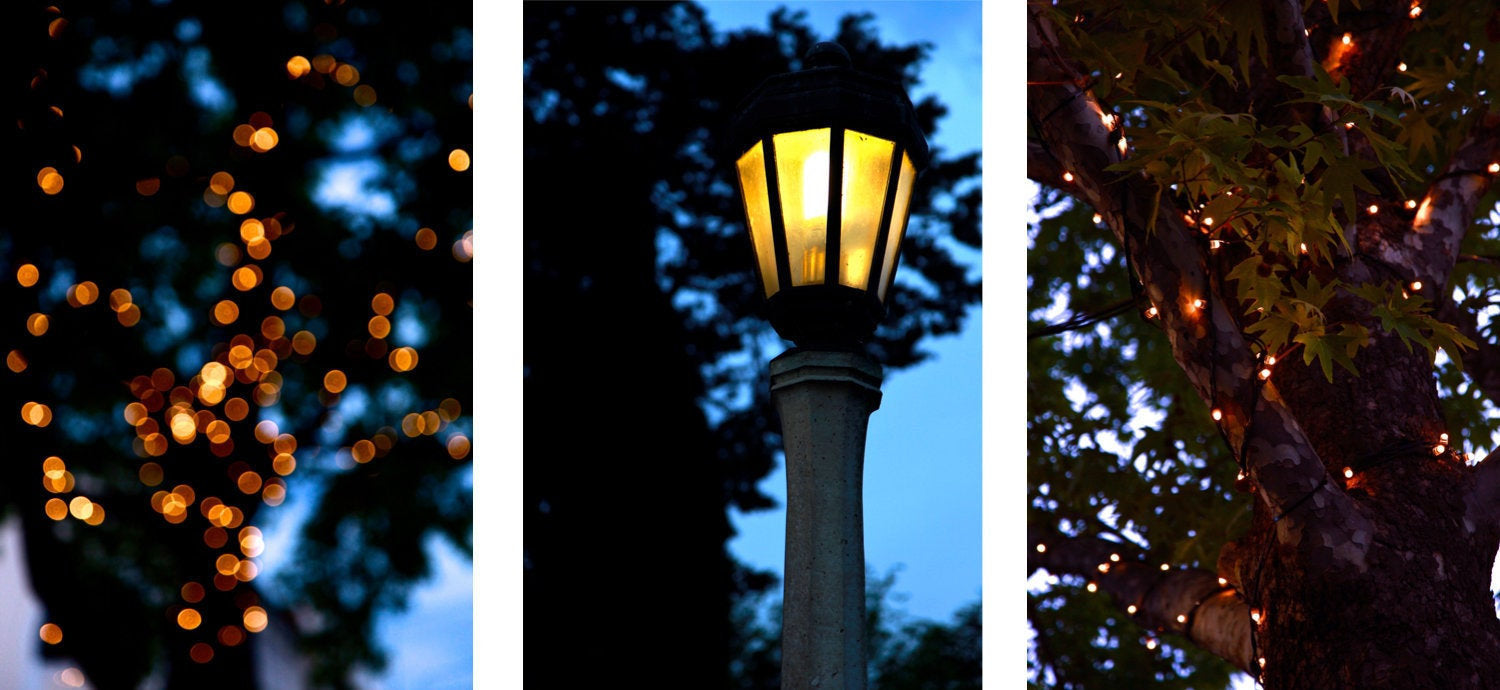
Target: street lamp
826,159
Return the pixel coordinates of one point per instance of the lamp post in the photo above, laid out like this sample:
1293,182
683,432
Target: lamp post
826,158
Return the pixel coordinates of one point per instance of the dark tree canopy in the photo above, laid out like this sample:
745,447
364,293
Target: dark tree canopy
647,410
1261,366
251,247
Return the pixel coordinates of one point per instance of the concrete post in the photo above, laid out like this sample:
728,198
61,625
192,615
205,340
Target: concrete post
824,399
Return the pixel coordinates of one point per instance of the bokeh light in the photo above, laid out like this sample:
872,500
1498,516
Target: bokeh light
458,159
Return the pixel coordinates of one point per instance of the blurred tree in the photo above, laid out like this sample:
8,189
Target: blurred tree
645,398
236,257
1263,245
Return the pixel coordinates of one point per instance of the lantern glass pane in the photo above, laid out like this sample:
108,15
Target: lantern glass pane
802,179
752,167
867,170
898,224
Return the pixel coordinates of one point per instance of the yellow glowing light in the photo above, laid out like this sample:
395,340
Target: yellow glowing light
262,141
1067,176
36,324
412,425
283,298
189,618
1130,609
1372,209
119,299
1416,285
284,464
226,564
242,134
1347,39
364,95
297,66
1093,587
255,619
221,183
54,467
246,571
225,312
363,450
334,381
1414,12
201,652
56,509
403,359
218,431
458,446
49,180
346,75
249,482
27,275
241,203
36,414
1401,67
251,230
273,494
1348,473
379,327
81,507
324,63
15,361
458,159
426,239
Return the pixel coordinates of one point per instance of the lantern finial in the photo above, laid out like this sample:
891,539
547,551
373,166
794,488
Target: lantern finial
827,54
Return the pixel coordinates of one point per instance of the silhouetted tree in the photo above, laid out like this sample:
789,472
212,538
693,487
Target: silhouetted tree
179,393
646,409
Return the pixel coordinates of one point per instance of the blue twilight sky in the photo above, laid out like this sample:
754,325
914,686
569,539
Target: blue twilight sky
922,457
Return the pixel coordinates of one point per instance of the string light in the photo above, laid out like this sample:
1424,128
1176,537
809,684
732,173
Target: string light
1348,125
1093,587
1114,558
1443,437
1262,662
1151,312
1217,414
1373,209
1222,581
1348,40
1416,285
1041,548
1438,449
1303,247
1215,244
1181,618
1103,567
1239,478
1164,566
1098,219
1122,144
1271,360
1151,643
1198,304
1494,167
1255,615
1416,11
1265,374
1067,176
1401,67
1130,609
1348,473
1411,203
1208,221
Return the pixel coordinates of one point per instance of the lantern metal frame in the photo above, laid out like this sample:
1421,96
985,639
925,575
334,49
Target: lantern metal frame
829,94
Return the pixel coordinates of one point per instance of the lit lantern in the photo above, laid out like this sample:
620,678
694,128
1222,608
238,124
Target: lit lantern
826,159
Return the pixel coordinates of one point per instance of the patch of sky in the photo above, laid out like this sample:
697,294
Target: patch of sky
396,397
351,186
205,90
189,30
409,331
191,356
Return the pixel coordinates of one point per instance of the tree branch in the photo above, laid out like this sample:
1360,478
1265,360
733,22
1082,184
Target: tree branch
1186,602
1205,338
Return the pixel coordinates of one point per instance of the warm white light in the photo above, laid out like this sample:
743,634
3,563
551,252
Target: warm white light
1443,437
1198,304
1164,566
1411,203
1348,125
1041,548
815,184
1347,39
1098,219
1222,581
1217,414
1067,176
1093,587
1215,244
1373,209
1151,312
1265,374
1495,167
1122,144
1181,618
1151,644
1208,221
1255,615
1416,285
1271,360
1103,567
1262,662
1114,558
1401,67
1130,609
1239,477
1438,449
1303,247
1416,11
1348,473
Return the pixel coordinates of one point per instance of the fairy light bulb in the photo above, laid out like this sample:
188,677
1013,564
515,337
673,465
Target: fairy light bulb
1348,125
1151,643
1255,615
1239,477
1217,414
1373,209
1262,662
1130,609
1303,247
1215,244
1181,618
1164,566
1041,548
1416,285
1098,219
1438,449
1114,558
1222,581
1401,67
1122,145
1067,176
1265,374
1411,203
1271,360
1151,312
1443,437
1348,473
1093,587
1198,303
1348,40
1416,11
1208,221
1494,167
1103,567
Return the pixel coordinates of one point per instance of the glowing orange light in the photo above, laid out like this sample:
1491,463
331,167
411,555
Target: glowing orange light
426,239
364,95
363,450
1411,203
221,183
49,180
346,75
1373,209
56,508
50,633
201,652
255,619
379,327
283,298
27,275
1347,39
458,159
81,507
15,361
262,141
225,312
189,618
1067,176
403,359
241,203
297,66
